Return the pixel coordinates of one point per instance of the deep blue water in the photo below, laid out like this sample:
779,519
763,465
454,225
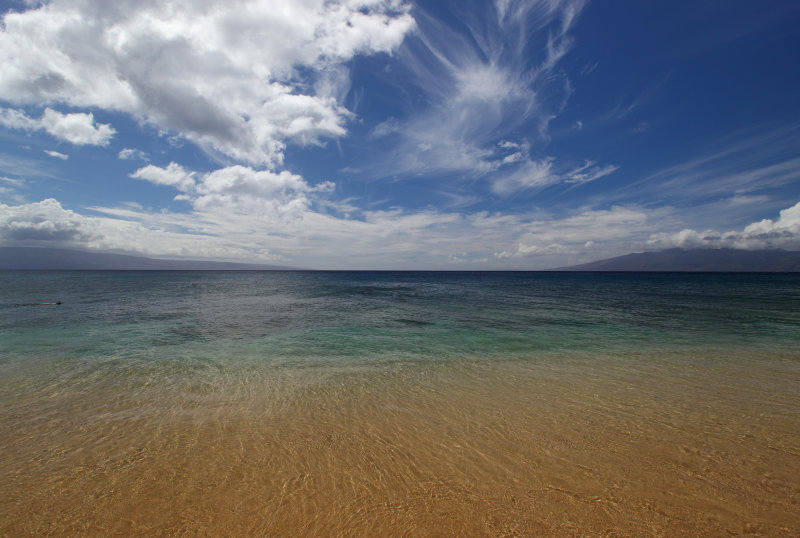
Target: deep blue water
319,318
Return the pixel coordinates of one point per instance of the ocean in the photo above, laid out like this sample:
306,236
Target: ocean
399,403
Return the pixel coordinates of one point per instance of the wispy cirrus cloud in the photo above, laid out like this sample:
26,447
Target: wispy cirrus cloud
482,87
478,85
56,154
724,180
528,175
589,171
531,174
9,187
587,231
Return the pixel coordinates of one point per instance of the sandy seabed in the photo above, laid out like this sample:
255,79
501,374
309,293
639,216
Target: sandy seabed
512,449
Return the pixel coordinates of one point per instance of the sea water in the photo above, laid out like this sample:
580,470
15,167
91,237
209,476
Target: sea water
411,403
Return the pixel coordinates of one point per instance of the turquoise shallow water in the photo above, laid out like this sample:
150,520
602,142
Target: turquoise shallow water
338,402
334,318
134,331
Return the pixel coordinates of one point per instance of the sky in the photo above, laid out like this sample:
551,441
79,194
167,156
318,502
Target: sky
392,134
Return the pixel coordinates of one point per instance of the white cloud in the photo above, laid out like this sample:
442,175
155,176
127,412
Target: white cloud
509,145
282,194
784,232
9,188
530,174
537,250
47,223
375,240
521,172
128,154
241,78
43,221
744,164
173,175
478,86
78,128
512,158
481,93
11,181
609,231
239,188
788,223
17,119
589,172
747,199
56,154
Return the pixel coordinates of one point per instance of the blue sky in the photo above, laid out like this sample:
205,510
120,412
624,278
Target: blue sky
383,134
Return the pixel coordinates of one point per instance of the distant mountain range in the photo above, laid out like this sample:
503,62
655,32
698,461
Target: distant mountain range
708,260
676,259
63,259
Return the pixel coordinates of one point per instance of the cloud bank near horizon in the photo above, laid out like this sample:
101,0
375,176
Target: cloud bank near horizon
441,239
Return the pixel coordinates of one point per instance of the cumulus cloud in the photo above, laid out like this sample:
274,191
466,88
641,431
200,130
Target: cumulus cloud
17,119
242,78
44,221
173,175
237,187
78,128
783,232
128,154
